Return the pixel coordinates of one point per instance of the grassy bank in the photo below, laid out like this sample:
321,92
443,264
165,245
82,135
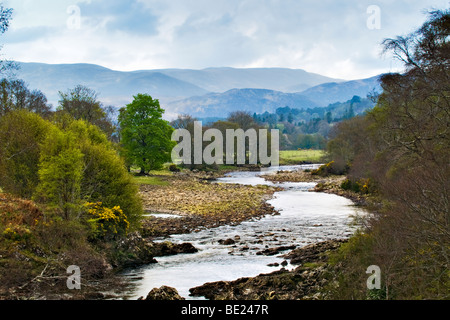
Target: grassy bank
150,180
292,157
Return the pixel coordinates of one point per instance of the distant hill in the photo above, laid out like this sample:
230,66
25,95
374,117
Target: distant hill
328,93
220,80
253,100
212,92
114,87
166,84
260,101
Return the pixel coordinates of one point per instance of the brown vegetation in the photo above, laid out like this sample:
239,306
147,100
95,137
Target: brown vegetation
402,146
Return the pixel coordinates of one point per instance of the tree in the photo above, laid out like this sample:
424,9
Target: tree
15,95
243,119
21,136
5,17
78,165
329,117
184,121
145,136
290,118
349,113
60,173
105,178
82,104
402,147
223,126
187,122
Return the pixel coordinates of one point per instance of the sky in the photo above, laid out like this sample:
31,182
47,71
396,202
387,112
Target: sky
339,39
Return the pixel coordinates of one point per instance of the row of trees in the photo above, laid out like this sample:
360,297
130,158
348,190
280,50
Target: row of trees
310,128
236,120
401,150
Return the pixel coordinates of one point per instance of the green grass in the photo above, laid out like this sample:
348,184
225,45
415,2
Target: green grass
163,172
312,265
299,156
152,181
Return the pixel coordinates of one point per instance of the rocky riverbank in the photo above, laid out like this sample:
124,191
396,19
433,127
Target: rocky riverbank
334,187
306,282
201,204
329,184
303,176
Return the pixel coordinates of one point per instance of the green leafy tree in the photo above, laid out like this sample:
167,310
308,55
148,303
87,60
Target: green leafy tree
105,178
64,165
145,136
77,165
60,173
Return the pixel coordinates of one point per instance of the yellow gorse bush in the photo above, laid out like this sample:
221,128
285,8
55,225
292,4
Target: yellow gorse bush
106,222
16,232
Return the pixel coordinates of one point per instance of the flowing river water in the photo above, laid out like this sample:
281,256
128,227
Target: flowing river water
305,218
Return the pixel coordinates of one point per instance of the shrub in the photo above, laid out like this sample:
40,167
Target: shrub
17,233
351,262
60,173
63,165
106,223
21,133
347,184
105,177
79,164
18,211
362,186
329,169
174,168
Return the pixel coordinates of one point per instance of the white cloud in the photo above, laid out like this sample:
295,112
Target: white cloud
327,37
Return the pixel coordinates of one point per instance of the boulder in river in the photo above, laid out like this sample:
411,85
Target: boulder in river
227,242
163,293
170,249
274,251
316,252
302,283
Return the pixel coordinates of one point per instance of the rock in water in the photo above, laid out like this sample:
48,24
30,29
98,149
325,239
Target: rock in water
227,242
164,293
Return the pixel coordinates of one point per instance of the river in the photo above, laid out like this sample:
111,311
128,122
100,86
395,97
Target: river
305,217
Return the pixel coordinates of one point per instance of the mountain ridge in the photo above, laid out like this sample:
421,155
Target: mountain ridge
211,90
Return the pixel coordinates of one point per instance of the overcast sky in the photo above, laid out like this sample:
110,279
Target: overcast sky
337,38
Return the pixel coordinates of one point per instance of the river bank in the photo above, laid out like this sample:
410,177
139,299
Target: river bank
306,282
195,203
247,241
311,274
329,184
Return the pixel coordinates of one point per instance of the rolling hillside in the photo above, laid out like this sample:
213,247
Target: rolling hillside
253,100
212,92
